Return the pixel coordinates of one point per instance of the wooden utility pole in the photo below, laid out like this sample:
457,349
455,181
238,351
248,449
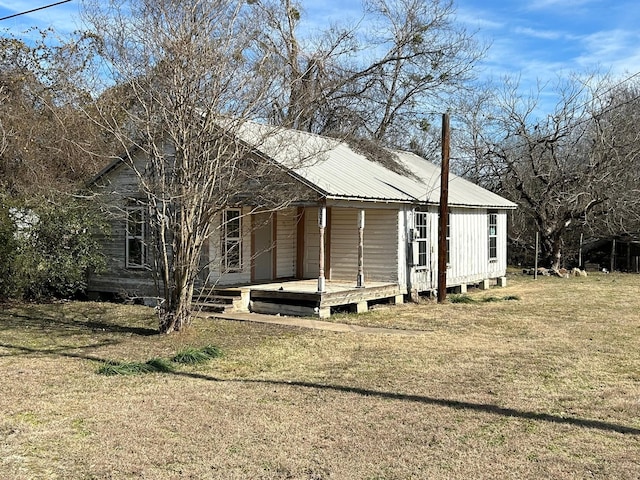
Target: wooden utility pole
444,211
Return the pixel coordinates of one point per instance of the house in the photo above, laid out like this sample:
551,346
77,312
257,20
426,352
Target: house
365,230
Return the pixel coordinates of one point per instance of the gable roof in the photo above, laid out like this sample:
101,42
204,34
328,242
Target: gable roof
340,173
336,171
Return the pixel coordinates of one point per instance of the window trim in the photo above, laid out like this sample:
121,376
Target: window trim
492,235
141,238
228,240
422,241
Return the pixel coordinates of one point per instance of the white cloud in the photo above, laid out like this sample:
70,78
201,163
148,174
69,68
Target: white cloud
558,4
62,18
541,34
617,51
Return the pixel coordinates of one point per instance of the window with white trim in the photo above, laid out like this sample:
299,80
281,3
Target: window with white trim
136,235
422,238
493,236
232,240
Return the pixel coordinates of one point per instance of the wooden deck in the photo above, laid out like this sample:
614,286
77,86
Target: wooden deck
301,298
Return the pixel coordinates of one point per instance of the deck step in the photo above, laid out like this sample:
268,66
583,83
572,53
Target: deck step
220,300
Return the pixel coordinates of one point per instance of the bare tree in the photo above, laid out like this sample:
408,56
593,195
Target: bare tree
373,79
3,133
617,141
551,166
43,132
189,76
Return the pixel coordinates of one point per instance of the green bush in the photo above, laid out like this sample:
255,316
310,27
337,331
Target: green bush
461,298
50,248
193,355
154,365
8,250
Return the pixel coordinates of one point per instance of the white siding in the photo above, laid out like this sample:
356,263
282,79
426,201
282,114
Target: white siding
380,244
469,249
116,187
469,255
402,246
286,229
311,244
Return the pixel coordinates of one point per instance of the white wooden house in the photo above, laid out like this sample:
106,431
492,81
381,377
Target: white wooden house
369,233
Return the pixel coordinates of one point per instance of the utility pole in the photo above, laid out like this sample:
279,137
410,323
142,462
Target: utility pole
444,211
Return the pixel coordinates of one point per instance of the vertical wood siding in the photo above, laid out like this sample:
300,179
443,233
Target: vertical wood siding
469,249
286,243
311,267
469,255
380,244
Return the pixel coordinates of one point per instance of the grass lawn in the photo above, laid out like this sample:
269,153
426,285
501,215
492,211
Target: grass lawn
546,385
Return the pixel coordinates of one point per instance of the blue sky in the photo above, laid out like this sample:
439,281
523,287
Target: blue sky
534,40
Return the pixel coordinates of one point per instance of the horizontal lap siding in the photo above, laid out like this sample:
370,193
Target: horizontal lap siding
344,244
380,244
116,187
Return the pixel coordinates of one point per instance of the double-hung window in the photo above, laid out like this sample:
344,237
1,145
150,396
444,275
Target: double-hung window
493,236
422,239
232,240
136,235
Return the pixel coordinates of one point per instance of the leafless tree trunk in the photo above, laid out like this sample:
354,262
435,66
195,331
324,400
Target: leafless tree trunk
189,75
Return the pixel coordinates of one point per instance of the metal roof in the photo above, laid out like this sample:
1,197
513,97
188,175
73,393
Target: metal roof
339,172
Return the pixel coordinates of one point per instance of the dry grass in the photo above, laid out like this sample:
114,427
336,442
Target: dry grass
547,386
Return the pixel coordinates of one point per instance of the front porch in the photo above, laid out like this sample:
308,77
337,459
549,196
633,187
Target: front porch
301,297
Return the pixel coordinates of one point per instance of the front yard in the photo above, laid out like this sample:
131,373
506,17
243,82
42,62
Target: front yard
542,380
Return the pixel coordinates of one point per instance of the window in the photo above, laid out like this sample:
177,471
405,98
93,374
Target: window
232,240
136,234
422,239
493,236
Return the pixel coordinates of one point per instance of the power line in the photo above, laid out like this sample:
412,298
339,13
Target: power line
34,10
570,125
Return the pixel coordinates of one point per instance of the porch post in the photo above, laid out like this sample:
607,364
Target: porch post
360,277
322,224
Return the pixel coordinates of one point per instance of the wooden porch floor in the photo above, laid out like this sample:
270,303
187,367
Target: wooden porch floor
301,298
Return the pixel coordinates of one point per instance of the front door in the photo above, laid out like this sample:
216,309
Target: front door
262,246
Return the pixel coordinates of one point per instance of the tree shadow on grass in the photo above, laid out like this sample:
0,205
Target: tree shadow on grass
37,317
61,350
441,402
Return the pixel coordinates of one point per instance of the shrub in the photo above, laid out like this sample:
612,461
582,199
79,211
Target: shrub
461,299
54,249
197,355
8,249
136,368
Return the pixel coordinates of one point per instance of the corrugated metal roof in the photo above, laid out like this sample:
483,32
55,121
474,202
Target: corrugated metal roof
339,172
